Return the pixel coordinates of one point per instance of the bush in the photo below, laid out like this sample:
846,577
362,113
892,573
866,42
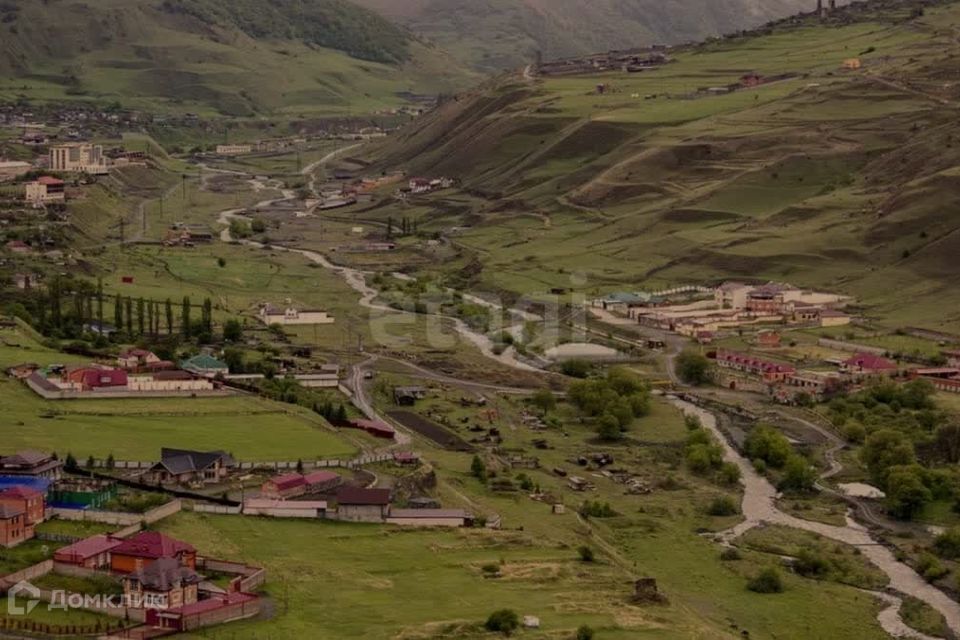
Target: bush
693,368
730,554
504,621
729,473
947,544
811,564
767,581
585,633
575,368
597,510
930,568
586,554
722,506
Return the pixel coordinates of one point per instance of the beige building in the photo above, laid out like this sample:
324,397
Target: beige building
45,190
148,383
233,149
291,316
78,157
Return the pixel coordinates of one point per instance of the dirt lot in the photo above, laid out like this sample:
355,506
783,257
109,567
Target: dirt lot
431,430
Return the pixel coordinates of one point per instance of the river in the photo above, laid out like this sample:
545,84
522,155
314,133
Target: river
760,507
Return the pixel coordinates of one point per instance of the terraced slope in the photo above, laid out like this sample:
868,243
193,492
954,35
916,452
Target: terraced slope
829,177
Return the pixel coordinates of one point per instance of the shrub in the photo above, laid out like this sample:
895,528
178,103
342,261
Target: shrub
767,581
585,633
730,554
504,621
729,473
811,564
947,544
693,368
930,568
586,554
597,510
722,506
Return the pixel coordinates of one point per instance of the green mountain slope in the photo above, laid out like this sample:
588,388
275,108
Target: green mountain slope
498,34
829,177
236,57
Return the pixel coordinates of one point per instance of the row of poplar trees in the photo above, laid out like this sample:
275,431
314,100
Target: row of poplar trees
83,305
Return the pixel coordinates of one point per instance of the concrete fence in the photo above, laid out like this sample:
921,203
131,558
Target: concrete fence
217,509
119,518
269,465
30,573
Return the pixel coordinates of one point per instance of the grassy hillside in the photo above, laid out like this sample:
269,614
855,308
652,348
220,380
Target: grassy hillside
212,56
834,178
499,34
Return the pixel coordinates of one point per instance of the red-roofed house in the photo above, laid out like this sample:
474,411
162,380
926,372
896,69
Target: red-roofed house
140,550
867,364
91,553
97,377
290,485
30,500
293,485
770,372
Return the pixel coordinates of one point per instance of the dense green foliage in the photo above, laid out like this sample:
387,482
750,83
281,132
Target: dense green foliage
615,400
693,368
504,621
767,581
334,24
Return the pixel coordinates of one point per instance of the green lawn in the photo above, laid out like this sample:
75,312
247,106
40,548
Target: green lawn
250,428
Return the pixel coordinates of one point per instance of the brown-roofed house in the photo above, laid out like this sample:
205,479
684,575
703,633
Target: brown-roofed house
31,463
355,504
30,500
163,584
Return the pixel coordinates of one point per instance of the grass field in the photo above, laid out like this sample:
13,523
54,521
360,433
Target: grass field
376,568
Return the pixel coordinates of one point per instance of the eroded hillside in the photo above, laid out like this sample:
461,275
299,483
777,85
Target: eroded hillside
695,171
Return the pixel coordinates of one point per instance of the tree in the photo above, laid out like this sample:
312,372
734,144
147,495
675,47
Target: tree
478,469
90,463
798,475
169,312
767,444
885,449
947,544
100,303
693,368
141,319
906,492
544,400
111,462
948,442
608,428
221,262
504,621
232,330
258,226
586,554
118,312
70,464
207,315
767,581
128,311
185,317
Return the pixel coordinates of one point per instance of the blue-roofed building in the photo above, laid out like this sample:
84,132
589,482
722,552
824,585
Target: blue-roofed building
37,484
